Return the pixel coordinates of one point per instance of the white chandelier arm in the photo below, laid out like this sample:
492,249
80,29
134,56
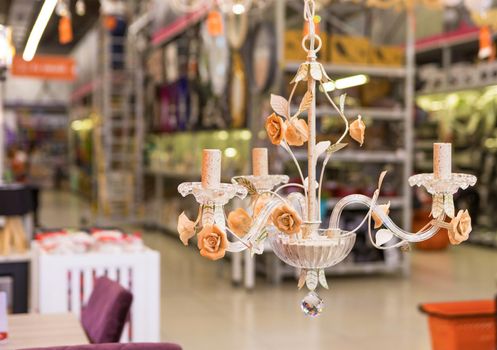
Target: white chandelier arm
298,202
250,239
289,185
434,225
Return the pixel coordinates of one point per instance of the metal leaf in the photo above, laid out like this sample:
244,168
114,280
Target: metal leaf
251,189
322,279
326,78
311,280
316,72
382,177
342,102
320,148
306,102
449,205
437,208
279,105
302,73
383,236
302,278
336,147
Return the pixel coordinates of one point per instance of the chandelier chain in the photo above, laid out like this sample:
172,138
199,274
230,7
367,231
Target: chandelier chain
311,36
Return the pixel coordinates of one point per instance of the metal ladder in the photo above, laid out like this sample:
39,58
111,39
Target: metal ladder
119,142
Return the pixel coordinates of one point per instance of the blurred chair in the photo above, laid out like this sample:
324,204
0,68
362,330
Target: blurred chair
104,316
114,346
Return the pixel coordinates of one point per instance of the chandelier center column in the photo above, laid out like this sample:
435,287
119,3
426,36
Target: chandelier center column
311,116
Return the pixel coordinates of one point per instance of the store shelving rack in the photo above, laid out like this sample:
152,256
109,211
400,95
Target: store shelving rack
113,93
394,260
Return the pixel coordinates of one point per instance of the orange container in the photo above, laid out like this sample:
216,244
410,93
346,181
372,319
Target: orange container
439,241
463,325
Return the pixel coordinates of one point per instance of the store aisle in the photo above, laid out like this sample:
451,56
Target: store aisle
201,310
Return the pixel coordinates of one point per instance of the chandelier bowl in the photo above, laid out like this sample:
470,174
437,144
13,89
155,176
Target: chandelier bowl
324,248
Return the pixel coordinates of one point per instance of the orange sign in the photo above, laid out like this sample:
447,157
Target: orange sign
45,67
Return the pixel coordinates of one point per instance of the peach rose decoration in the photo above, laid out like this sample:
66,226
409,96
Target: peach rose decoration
460,227
186,228
239,221
212,242
297,132
286,219
275,128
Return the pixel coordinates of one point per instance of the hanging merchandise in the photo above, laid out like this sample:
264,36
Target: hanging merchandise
65,25
182,103
193,81
171,63
218,60
80,7
238,92
167,117
65,30
236,29
486,50
263,61
293,224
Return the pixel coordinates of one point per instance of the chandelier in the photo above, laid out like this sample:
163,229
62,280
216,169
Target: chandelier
292,224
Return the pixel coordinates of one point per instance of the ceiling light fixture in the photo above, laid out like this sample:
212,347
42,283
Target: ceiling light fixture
345,83
38,29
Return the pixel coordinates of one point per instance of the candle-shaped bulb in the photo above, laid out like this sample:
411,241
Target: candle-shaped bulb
442,160
211,168
259,162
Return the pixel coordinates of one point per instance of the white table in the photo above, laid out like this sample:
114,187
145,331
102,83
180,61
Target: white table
43,330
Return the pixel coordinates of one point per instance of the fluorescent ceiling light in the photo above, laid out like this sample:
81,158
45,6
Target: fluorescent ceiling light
345,83
38,29
349,82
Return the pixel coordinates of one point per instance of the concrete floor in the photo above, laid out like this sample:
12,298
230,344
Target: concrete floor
202,310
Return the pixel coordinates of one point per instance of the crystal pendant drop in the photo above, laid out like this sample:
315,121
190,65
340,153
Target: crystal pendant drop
312,304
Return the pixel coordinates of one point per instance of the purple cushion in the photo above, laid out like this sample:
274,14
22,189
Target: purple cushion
114,346
104,316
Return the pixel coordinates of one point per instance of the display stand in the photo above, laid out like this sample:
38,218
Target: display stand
74,274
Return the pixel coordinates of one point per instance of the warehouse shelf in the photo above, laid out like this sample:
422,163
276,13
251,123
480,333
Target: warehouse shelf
378,71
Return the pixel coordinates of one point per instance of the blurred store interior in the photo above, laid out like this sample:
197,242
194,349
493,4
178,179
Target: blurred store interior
142,149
